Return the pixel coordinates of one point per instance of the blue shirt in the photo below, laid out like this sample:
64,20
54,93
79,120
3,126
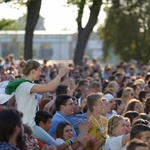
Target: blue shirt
57,118
7,146
76,120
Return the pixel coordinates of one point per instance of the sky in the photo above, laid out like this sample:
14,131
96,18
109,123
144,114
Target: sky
57,16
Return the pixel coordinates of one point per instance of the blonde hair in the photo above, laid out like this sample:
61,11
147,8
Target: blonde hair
29,65
126,93
92,100
113,123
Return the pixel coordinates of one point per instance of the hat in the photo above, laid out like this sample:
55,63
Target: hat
108,97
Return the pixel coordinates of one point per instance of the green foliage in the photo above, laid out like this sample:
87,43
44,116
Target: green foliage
127,30
7,24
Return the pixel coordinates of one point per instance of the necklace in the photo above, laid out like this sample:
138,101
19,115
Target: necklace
100,126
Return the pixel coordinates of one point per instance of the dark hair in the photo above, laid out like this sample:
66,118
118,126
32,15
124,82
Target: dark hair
118,101
42,116
60,129
131,115
147,105
61,100
95,85
137,130
142,95
9,119
133,144
82,82
140,121
144,116
61,89
27,130
131,104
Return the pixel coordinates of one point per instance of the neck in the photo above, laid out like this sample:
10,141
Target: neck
28,78
63,112
12,141
95,115
119,111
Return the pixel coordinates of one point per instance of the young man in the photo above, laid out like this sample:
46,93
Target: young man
99,123
137,145
43,120
111,103
141,132
11,130
64,108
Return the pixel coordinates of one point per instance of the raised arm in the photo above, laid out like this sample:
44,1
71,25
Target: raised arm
50,86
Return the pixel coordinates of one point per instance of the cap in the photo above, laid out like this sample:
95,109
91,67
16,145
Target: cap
108,97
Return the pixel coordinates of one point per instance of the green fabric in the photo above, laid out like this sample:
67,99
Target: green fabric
12,85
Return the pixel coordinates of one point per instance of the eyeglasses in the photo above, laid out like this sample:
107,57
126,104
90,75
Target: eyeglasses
71,104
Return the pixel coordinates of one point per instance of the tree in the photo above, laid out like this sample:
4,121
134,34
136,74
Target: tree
127,30
84,32
7,24
33,9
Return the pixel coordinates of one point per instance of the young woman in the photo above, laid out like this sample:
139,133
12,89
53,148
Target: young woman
117,133
134,105
127,95
63,133
25,95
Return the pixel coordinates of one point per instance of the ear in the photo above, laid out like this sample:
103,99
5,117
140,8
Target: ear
17,129
62,106
41,123
33,71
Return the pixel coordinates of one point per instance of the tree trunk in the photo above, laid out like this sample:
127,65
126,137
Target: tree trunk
33,9
84,33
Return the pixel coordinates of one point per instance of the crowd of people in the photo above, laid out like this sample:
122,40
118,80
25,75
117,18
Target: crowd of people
66,107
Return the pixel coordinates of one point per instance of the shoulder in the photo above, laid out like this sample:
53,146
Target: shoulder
26,84
7,146
59,141
104,119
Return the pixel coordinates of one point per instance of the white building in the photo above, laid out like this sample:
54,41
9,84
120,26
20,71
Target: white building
47,46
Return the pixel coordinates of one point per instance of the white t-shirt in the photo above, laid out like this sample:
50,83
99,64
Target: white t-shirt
59,141
26,102
114,143
108,115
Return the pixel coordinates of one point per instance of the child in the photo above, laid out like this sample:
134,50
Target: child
117,134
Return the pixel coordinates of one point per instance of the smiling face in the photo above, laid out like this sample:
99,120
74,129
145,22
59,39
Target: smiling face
67,109
138,107
67,133
107,108
99,107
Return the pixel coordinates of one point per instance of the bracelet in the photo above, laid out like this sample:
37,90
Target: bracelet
55,82
69,142
103,138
